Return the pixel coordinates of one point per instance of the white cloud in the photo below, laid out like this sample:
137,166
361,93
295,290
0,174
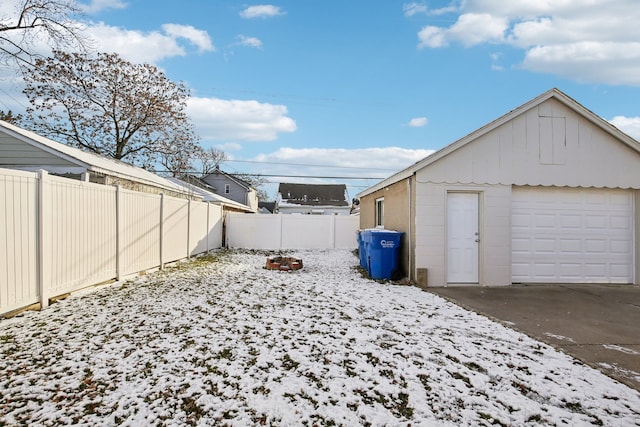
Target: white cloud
368,162
595,42
432,37
198,38
229,146
472,29
592,62
220,119
95,6
629,125
347,166
151,47
261,11
249,41
414,8
418,122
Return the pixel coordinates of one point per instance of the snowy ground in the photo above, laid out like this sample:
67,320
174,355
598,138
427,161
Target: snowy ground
231,343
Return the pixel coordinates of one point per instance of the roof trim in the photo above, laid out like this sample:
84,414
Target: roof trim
213,197
554,93
238,181
90,161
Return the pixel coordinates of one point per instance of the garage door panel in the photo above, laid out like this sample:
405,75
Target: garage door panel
596,222
572,235
568,221
571,246
618,222
620,247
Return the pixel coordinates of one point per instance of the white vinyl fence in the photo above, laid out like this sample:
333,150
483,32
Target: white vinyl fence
59,235
274,232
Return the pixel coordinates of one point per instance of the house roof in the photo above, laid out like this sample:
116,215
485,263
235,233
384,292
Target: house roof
235,179
313,194
208,196
270,206
83,160
553,93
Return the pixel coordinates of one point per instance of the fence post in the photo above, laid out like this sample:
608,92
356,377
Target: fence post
118,232
161,228
189,229
332,228
208,231
44,237
280,229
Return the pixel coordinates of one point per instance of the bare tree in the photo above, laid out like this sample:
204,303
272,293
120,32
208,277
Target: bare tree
209,160
106,105
9,117
256,181
38,21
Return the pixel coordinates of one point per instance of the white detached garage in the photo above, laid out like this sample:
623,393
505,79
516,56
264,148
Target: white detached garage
545,194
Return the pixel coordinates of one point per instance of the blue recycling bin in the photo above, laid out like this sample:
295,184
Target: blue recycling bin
382,248
361,250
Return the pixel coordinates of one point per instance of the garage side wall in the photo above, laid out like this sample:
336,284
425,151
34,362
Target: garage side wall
636,216
397,215
494,226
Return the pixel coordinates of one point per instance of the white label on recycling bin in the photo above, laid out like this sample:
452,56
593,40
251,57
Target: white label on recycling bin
387,243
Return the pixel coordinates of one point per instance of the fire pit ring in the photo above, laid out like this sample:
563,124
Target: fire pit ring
283,263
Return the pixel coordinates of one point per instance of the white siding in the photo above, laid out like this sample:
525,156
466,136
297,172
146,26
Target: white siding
549,145
495,229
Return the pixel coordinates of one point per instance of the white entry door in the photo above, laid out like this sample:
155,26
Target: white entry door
462,238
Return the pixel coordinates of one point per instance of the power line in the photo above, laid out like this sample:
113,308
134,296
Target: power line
303,176
259,175
307,165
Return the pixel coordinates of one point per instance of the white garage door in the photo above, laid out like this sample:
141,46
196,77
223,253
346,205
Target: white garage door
571,235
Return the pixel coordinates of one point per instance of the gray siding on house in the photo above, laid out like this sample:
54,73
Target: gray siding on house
236,193
14,152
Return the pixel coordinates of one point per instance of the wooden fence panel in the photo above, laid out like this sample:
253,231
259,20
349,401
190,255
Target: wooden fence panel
18,243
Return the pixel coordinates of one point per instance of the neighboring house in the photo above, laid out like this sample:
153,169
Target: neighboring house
547,193
227,205
25,150
315,199
232,188
266,207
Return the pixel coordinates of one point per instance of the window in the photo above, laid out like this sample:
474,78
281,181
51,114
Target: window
380,212
227,189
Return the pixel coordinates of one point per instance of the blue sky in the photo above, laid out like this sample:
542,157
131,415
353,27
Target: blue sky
356,88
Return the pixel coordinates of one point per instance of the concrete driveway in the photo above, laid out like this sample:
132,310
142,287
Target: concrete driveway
597,324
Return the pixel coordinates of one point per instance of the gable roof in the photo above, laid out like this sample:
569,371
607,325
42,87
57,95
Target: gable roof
83,160
209,196
553,93
313,194
235,179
